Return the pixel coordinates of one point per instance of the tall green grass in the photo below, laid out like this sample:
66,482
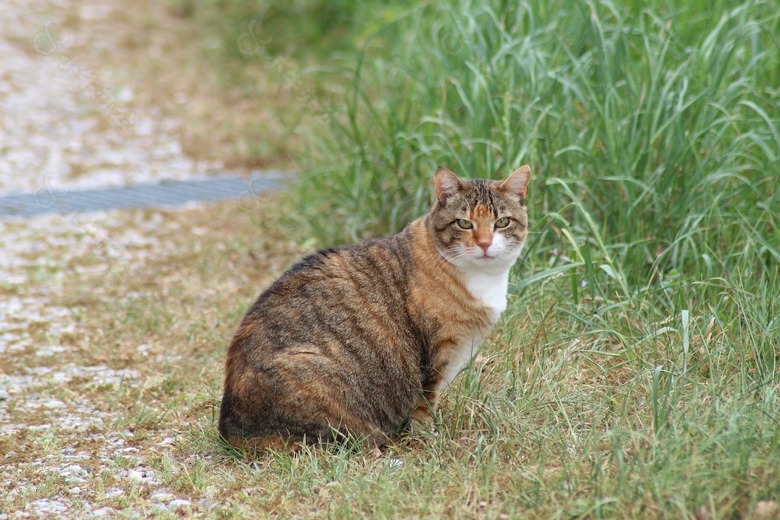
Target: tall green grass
636,372
663,140
639,358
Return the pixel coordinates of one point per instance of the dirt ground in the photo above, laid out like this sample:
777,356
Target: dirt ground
113,325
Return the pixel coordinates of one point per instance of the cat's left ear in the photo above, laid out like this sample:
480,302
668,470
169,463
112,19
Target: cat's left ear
516,185
447,184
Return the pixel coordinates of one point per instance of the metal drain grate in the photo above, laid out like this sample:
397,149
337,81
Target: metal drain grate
165,194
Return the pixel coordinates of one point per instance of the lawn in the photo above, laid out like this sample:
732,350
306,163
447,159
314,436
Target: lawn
636,371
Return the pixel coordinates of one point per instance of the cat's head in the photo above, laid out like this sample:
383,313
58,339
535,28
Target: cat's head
480,224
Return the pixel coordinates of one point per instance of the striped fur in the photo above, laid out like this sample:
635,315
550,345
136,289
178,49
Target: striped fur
360,340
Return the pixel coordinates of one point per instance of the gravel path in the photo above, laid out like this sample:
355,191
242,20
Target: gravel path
67,123
61,452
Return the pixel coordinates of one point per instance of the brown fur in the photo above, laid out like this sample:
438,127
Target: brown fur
354,342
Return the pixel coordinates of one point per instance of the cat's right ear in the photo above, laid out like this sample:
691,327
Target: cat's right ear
447,184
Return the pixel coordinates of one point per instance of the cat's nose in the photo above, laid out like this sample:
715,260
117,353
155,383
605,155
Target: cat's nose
484,244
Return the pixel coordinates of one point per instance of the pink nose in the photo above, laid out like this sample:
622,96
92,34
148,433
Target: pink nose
485,245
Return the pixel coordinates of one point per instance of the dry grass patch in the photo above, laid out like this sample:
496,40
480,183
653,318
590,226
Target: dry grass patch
112,354
167,65
172,63
111,366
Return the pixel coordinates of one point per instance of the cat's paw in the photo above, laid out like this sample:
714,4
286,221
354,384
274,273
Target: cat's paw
422,423
420,417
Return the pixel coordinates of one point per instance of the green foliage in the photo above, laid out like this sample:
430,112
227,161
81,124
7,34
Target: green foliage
303,28
651,281
663,143
636,372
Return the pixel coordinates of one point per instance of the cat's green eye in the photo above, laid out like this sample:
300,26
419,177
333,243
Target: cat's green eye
502,222
464,224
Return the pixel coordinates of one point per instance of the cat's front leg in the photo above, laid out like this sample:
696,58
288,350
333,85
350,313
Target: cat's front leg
450,358
421,418
422,414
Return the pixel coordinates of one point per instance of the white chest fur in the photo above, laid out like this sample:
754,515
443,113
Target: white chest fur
489,288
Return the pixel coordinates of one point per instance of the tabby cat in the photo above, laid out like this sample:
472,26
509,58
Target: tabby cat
360,341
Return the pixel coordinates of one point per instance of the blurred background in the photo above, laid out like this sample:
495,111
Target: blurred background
651,128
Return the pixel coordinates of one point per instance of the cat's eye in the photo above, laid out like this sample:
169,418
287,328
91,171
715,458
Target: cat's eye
502,222
464,224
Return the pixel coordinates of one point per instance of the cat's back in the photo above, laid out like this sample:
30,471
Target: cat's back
373,272
376,302
345,306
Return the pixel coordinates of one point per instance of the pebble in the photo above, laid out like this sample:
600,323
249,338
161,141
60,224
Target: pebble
44,506
766,510
207,504
176,504
168,441
162,496
394,463
136,475
145,476
114,492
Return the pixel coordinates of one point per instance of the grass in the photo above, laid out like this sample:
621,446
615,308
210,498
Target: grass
621,411
231,109
635,372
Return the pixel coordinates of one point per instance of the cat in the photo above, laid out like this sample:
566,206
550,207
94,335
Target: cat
359,342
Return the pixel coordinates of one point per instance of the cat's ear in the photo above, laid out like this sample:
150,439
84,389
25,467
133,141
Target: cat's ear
516,185
447,184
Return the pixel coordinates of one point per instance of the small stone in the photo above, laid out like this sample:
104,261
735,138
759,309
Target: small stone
114,492
44,506
136,475
168,441
766,510
162,496
103,511
395,463
176,504
4,395
704,513
159,508
207,504
143,476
